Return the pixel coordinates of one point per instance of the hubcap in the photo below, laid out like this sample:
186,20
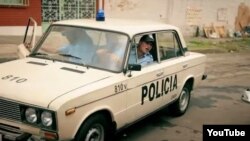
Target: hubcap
184,100
96,133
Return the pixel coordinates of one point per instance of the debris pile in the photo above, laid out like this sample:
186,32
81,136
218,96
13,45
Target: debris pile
215,31
242,20
242,26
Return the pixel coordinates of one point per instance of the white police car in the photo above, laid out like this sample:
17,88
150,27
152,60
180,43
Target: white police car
80,83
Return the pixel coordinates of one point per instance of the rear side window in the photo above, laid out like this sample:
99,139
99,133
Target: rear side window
169,46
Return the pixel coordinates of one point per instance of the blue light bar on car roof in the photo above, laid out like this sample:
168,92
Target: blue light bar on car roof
100,15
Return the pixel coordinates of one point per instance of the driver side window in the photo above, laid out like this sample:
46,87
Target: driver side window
143,50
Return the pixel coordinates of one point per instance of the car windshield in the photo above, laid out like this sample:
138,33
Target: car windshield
93,48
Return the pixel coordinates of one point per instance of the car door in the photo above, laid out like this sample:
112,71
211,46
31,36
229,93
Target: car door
171,55
144,90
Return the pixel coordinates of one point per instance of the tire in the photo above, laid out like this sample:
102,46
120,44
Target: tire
180,106
96,128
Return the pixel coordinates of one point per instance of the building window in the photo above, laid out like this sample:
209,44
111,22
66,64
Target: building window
10,3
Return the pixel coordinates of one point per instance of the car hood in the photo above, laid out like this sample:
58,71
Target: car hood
39,82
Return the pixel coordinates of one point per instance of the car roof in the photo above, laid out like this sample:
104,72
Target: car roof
130,27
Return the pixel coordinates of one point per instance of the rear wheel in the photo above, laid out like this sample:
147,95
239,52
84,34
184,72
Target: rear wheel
180,106
96,128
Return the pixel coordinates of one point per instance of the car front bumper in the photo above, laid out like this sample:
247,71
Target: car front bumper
12,133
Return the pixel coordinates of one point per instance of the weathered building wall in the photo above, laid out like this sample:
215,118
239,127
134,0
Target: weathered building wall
13,20
186,14
18,16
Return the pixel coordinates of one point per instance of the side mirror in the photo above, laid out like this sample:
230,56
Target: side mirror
134,67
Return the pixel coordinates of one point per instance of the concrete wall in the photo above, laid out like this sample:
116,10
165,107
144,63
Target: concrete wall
186,14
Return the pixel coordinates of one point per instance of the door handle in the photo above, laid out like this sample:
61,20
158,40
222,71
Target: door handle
185,66
159,74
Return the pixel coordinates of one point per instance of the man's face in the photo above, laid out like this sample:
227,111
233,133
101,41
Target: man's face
144,47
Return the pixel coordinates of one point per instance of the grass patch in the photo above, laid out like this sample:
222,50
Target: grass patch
219,45
200,44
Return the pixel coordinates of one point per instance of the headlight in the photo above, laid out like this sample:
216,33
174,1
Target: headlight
46,118
30,115
38,117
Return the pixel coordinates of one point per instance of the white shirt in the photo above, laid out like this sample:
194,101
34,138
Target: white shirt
145,60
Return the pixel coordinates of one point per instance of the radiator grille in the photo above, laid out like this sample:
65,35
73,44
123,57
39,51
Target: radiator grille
10,110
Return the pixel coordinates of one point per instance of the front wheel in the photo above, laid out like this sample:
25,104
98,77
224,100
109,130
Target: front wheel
180,106
96,128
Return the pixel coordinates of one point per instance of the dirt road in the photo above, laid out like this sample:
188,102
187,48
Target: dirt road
216,101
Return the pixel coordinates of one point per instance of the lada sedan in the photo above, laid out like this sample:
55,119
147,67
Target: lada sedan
88,79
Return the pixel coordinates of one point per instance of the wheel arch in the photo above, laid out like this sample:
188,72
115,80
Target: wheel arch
180,105
105,112
189,82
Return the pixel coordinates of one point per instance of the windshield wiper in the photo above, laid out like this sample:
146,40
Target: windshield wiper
82,64
68,55
42,54
38,53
